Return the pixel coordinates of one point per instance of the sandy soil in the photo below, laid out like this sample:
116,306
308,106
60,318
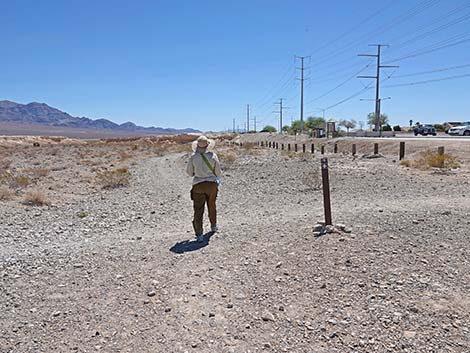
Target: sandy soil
118,270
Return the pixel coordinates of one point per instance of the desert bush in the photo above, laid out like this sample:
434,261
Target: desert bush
110,179
35,198
6,194
14,181
312,179
429,159
227,158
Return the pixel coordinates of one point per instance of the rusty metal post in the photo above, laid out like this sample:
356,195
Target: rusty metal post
354,149
303,148
326,191
376,148
322,149
336,148
282,146
262,144
402,150
312,147
277,145
295,146
288,146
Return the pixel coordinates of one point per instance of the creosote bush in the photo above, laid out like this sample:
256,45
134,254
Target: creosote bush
14,181
429,159
114,178
35,198
227,158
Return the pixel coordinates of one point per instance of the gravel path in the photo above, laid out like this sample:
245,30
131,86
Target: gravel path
130,278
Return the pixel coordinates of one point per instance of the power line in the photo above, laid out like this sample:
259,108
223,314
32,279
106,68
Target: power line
433,71
427,81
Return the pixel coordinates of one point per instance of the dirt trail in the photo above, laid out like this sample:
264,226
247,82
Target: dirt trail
130,278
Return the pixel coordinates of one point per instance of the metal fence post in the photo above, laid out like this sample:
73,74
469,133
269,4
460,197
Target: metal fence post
336,148
376,148
402,150
326,191
354,149
312,148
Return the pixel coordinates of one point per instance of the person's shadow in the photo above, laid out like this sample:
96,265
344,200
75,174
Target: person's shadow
193,245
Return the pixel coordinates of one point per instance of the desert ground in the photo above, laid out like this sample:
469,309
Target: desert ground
97,252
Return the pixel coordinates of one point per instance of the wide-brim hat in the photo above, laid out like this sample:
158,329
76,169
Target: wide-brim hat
201,141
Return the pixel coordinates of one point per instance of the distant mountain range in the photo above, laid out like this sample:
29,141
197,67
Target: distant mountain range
44,115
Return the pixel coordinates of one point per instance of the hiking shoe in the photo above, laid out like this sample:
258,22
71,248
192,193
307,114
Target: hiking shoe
200,238
214,228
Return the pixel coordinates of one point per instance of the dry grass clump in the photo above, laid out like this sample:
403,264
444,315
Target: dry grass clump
14,181
123,155
4,164
114,178
429,159
227,158
6,194
35,198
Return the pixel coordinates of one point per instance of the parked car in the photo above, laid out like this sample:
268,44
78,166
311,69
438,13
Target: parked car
462,130
424,130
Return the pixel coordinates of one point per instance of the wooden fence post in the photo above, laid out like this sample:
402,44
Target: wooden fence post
336,148
354,149
295,146
303,148
376,148
312,147
322,149
288,146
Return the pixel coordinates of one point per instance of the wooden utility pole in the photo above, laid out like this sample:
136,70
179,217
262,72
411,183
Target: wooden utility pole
302,79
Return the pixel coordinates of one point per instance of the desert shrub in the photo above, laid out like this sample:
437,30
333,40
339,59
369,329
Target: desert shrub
82,214
14,181
386,127
6,194
429,159
114,178
227,158
35,198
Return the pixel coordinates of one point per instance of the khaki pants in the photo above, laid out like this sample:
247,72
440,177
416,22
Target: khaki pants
201,194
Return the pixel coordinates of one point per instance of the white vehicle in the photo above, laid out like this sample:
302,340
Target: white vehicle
462,130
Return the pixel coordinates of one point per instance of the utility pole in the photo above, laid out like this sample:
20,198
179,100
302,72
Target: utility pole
302,79
281,109
254,121
377,84
247,118
233,125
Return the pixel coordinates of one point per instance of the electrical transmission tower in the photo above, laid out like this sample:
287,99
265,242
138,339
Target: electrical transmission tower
302,79
247,118
377,84
280,111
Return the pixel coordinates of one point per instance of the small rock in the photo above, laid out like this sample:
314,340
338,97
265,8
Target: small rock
56,313
409,334
267,316
340,226
152,293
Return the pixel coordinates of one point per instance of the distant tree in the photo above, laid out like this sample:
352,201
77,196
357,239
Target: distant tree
386,127
269,128
296,126
397,128
361,125
348,124
313,122
286,128
372,120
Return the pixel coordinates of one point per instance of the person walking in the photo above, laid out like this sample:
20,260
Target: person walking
204,167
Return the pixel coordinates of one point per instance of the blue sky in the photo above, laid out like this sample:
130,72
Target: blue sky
198,63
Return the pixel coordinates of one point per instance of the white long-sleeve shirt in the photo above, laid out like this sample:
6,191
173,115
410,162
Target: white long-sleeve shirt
199,170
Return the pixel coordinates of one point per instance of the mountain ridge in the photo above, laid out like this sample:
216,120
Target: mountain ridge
45,115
